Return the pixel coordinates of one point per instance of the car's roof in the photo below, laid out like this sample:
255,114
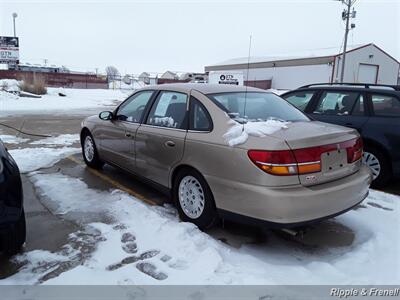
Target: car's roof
205,88
374,89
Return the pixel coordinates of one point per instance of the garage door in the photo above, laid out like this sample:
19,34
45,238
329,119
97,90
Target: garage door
367,73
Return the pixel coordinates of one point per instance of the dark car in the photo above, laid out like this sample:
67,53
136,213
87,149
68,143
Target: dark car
12,217
374,110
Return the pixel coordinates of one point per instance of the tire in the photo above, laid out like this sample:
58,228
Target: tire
376,159
91,157
190,183
15,237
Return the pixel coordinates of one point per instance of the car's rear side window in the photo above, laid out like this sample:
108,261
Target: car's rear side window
385,105
336,103
300,99
200,119
169,110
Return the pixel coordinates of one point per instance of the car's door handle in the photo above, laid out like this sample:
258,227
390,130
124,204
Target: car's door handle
169,144
128,134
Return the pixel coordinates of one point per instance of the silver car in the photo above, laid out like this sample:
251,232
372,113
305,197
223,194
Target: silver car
232,152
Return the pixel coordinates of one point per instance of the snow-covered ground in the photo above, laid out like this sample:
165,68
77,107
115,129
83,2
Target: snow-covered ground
125,241
75,101
12,139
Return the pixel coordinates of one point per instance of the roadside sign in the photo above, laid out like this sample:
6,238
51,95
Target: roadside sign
216,77
9,50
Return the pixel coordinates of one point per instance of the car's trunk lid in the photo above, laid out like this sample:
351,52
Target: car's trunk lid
334,164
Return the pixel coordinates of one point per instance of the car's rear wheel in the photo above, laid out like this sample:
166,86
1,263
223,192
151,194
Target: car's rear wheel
89,151
379,166
15,237
194,199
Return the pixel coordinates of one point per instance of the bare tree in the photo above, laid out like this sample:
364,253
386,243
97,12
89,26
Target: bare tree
112,73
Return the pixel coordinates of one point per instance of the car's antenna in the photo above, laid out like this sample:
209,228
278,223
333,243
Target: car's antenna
247,82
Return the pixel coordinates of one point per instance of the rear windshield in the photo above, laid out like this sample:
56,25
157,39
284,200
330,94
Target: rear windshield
256,106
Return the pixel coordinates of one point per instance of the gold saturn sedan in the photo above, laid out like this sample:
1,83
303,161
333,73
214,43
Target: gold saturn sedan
223,151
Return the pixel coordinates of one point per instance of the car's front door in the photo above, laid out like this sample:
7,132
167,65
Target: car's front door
300,99
117,136
160,140
346,108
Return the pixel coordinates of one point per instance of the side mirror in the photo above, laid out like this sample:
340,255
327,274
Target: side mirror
106,115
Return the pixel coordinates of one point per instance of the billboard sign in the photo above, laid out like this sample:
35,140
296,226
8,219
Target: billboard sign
9,50
218,77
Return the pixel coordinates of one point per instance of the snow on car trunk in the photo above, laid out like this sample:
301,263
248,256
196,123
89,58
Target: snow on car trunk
239,133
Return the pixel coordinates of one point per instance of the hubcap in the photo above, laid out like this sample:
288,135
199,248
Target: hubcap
191,197
373,163
89,148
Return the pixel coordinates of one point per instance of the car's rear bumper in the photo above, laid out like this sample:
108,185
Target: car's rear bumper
291,205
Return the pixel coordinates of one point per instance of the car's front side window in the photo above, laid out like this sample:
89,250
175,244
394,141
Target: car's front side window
169,110
132,109
300,99
336,103
385,105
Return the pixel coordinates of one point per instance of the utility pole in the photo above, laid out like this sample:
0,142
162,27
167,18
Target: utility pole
346,15
14,15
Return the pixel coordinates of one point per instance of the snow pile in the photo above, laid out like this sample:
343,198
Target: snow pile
239,133
165,122
12,139
6,96
56,91
78,100
31,159
9,85
64,139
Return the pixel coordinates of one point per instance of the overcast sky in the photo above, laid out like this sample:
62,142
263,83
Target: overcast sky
155,36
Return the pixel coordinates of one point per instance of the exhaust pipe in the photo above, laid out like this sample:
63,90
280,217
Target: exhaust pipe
296,232
290,231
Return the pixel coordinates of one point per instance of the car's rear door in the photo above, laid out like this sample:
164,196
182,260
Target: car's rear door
341,107
384,123
160,140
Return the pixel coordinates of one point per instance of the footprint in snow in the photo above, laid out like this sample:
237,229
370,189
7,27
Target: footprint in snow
132,259
151,270
373,204
128,243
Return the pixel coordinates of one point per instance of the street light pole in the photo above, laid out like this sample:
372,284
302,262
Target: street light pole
14,15
347,14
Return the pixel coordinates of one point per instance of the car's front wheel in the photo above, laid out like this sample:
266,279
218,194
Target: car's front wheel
194,199
89,151
379,166
15,236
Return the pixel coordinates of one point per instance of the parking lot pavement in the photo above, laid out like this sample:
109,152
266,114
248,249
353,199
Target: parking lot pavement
51,231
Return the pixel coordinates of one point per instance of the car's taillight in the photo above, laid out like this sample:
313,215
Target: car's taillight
354,150
274,162
302,161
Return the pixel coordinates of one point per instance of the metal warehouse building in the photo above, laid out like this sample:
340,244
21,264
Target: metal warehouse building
365,64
